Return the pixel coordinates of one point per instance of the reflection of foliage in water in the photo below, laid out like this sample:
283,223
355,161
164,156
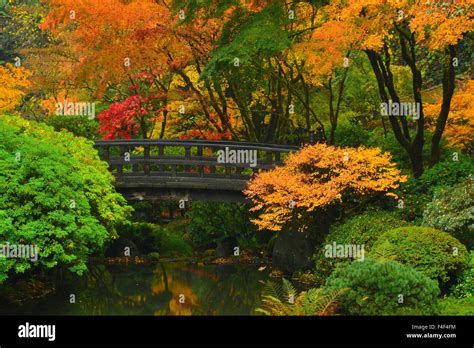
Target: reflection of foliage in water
236,292
141,290
98,291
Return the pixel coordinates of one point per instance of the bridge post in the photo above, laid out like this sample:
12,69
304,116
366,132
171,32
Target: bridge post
187,155
174,170
200,168
106,154
312,141
123,149
146,156
269,156
161,153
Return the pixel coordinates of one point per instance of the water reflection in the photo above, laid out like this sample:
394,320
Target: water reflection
158,289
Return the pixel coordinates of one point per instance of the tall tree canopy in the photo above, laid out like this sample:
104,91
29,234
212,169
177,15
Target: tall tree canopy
266,71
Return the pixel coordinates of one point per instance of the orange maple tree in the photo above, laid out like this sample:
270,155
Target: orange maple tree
459,130
394,32
110,41
317,177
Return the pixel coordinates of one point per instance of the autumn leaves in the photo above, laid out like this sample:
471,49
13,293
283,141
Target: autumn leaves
317,177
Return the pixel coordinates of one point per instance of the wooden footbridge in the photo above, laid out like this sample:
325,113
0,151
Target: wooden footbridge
187,169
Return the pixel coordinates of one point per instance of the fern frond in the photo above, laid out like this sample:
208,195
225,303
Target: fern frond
330,301
288,289
275,300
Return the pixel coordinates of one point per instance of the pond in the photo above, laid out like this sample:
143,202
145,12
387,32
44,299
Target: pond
153,289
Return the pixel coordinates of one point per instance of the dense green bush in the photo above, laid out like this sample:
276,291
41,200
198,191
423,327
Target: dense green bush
434,253
464,287
54,193
144,235
417,193
151,238
389,143
443,174
383,288
210,223
360,229
352,135
172,245
80,126
457,306
452,210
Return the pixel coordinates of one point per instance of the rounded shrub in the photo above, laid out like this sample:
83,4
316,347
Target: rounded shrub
359,230
212,222
434,253
55,194
383,288
154,256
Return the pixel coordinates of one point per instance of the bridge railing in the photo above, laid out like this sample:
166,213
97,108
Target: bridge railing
190,158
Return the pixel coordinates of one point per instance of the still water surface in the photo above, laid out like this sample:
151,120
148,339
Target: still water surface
156,289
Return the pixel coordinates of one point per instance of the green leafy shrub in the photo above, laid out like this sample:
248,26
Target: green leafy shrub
383,288
444,174
80,126
154,256
151,238
173,245
417,193
55,193
144,235
360,229
457,306
352,135
434,253
464,288
210,223
452,210
179,226
388,142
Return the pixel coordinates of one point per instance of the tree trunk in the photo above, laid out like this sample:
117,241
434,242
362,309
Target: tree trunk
163,124
448,91
332,131
416,161
384,79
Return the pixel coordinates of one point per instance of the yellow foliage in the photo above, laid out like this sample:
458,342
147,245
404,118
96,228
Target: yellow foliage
436,24
459,130
440,24
316,177
13,82
324,51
